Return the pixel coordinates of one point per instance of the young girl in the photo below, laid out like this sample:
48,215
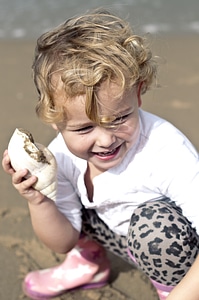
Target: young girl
128,180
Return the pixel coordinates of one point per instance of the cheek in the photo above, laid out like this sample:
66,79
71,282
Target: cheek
130,130
76,144
136,128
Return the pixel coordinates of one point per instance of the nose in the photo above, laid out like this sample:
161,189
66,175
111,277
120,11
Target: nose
105,137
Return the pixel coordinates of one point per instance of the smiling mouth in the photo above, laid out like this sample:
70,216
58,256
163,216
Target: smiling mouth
108,153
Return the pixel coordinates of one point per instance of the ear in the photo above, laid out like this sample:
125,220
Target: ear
139,92
54,126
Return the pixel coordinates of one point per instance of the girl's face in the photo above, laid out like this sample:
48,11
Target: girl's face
102,147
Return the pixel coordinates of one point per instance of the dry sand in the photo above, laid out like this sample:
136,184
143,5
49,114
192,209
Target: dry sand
20,251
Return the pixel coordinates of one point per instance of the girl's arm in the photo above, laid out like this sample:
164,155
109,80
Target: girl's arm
50,225
188,287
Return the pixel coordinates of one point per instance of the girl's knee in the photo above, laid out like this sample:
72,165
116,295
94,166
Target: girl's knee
162,240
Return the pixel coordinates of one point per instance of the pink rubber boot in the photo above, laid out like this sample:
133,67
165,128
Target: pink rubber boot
86,266
162,295
162,290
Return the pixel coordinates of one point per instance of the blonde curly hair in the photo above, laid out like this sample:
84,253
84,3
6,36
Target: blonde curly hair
86,51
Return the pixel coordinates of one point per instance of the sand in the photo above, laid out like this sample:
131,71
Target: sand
20,250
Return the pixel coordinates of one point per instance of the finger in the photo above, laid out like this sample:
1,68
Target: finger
24,186
5,152
26,189
6,163
19,177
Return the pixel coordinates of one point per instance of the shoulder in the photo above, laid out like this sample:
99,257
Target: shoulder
65,159
160,136
160,130
59,149
57,144
153,124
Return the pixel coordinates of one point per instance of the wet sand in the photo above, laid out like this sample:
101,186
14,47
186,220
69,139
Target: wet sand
20,251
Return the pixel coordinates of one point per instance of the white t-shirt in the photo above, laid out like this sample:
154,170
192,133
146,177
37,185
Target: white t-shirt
163,162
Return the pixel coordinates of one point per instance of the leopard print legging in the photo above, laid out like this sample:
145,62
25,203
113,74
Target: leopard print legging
160,238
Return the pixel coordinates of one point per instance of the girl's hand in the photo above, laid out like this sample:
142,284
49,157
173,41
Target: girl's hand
6,163
22,185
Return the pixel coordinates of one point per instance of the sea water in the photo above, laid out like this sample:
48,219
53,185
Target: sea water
27,19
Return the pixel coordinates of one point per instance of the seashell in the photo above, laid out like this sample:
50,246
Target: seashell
24,153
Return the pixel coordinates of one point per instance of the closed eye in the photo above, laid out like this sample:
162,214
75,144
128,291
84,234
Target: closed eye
121,119
84,129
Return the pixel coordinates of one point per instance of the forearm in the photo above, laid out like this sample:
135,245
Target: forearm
188,288
52,227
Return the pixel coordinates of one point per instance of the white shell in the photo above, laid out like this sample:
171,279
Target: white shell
25,154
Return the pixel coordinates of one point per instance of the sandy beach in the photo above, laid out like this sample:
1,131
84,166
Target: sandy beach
20,251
